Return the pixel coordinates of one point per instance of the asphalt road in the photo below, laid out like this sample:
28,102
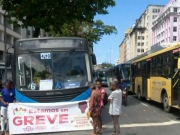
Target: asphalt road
139,118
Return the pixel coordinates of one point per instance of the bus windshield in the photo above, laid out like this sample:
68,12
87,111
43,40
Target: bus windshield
102,75
52,70
125,73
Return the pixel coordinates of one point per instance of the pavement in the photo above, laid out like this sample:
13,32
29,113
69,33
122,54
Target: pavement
138,118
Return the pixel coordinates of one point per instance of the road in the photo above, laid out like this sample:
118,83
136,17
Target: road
139,118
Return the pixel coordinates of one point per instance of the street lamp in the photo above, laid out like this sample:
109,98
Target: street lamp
110,55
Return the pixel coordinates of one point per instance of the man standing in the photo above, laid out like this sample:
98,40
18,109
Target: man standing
102,91
115,100
122,86
7,96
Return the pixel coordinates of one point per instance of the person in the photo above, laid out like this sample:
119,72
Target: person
122,86
102,91
95,109
115,100
7,96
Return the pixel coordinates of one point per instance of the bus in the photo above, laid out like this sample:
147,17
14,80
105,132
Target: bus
121,71
101,74
155,76
52,69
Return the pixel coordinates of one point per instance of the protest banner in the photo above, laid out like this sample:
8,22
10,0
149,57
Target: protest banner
25,118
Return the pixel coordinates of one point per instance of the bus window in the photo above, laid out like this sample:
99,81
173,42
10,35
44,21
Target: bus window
125,73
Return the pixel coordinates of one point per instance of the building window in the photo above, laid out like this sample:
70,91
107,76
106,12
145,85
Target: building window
174,38
175,29
142,44
142,50
154,16
138,44
138,50
142,37
139,37
175,19
175,9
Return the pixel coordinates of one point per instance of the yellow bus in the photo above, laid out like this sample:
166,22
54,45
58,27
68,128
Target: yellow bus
156,76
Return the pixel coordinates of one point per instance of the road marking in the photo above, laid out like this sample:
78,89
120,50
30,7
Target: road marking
145,124
145,104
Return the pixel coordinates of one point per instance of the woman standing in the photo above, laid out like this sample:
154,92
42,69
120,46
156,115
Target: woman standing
95,109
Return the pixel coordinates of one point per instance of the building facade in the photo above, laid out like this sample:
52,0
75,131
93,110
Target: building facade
139,39
29,32
122,53
13,33
166,26
124,48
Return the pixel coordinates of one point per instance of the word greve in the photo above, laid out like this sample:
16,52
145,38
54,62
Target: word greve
40,119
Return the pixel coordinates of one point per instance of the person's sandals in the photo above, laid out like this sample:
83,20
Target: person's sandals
99,132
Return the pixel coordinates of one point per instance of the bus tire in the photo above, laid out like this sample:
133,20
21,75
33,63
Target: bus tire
139,94
166,106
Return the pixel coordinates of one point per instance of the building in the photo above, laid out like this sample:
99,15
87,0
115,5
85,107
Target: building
140,36
166,26
122,53
117,61
29,32
124,48
13,33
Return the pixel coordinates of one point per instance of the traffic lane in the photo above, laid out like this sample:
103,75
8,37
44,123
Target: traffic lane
143,111
88,132
144,118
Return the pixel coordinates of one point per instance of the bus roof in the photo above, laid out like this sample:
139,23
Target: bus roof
126,63
46,38
147,55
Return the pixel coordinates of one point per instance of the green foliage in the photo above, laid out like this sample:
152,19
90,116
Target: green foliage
55,13
106,65
91,31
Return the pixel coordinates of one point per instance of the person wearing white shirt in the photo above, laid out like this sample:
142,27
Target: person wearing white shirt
115,100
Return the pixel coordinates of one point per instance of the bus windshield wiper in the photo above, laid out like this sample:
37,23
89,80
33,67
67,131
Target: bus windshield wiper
66,58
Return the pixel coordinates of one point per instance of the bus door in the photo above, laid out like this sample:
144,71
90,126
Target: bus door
175,80
145,68
133,75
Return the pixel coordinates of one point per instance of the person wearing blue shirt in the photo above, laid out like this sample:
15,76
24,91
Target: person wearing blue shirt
122,86
7,96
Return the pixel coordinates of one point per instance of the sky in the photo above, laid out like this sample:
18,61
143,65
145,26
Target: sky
123,16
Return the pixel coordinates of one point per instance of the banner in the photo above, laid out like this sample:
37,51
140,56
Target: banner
25,118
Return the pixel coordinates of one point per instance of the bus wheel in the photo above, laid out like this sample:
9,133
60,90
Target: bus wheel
166,106
139,94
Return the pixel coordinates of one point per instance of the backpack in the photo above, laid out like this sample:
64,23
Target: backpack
105,100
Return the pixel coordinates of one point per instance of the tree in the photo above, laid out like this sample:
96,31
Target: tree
56,13
91,31
106,65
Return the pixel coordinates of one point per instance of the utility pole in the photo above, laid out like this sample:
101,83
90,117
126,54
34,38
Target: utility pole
110,56
5,47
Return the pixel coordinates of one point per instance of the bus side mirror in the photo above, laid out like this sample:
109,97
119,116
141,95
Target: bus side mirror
8,60
94,59
178,63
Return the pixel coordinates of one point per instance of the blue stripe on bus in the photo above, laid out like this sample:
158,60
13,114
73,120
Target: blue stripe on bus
21,98
85,95
24,99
